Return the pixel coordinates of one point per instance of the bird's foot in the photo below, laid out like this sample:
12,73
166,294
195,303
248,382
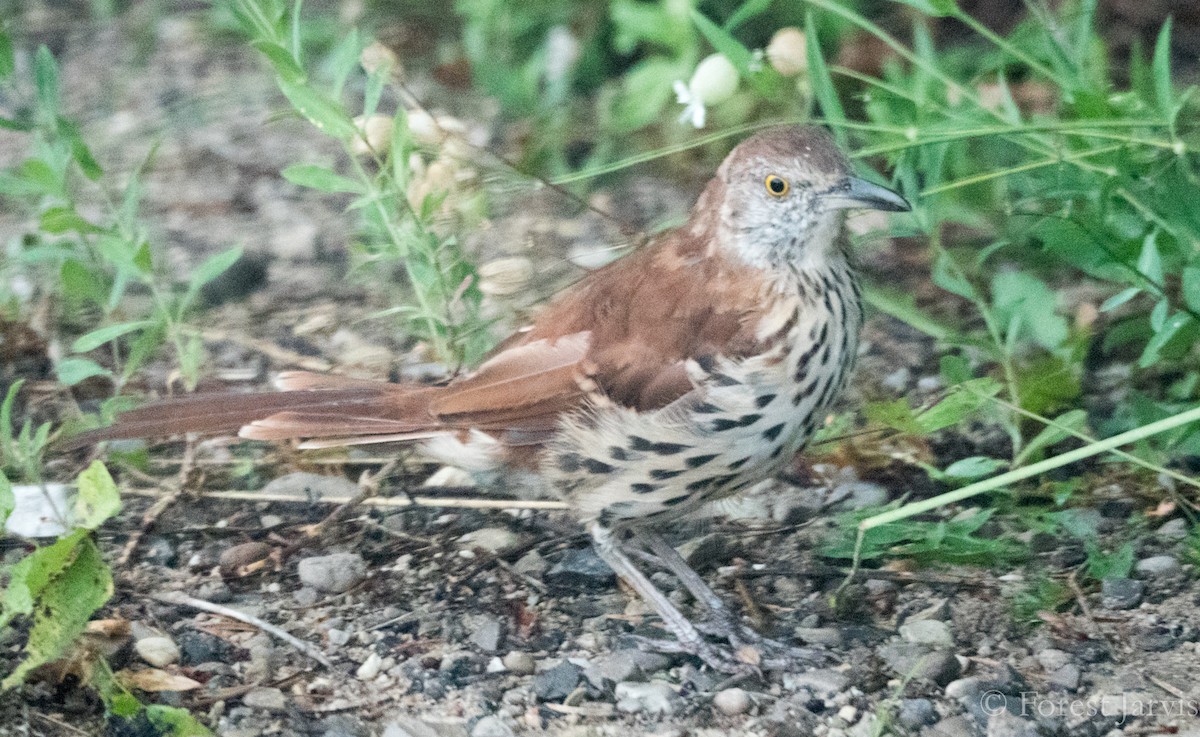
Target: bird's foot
720,658
765,652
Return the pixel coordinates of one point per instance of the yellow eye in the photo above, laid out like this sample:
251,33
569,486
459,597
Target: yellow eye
777,186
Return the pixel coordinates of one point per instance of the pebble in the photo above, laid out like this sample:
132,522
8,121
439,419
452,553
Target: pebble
495,540
1007,724
492,726
488,635
926,632
916,713
848,714
311,486
159,552
215,591
1121,593
369,668
267,699
520,663
1173,529
624,665
237,557
531,564
824,683
581,568
655,697
337,637
1066,678
198,647
558,682
732,701
1157,565
1051,659
910,660
959,725
333,573
157,650
897,380
827,636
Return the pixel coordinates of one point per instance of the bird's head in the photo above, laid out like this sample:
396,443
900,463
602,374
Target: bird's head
784,192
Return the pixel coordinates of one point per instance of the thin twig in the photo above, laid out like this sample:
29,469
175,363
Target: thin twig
161,504
177,599
416,501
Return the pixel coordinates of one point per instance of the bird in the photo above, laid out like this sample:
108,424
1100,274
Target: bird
684,372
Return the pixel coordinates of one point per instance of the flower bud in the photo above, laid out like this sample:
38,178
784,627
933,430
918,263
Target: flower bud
787,51
377,57
715,80
375,134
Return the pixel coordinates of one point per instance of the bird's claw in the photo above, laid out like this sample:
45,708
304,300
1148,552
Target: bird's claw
771,654
722,659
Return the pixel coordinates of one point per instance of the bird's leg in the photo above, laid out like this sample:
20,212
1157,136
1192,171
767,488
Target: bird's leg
722,622
690,640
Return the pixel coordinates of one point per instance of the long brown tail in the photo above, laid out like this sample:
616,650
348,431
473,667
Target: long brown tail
320,407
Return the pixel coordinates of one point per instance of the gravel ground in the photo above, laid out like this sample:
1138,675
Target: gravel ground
455,621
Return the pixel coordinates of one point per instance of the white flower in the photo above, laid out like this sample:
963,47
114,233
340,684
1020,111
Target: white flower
714,81
787,51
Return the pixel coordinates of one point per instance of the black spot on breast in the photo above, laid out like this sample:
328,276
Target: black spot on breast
825,355
707,363
568,462
698,461
748,420
763,400
675,500
738,463
773,432
706,408
637,442
663,474
643,488
595,466
668,449
700,485
778,449
618,453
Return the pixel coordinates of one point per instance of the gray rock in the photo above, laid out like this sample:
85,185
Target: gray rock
897,380
1157,565
495,540
1121,593
311,486
1007,724
489,634
369,668
1066,678
959,725
531,564
337,637
406,726
492,726
910,660
824,683
267,699
199,647
581,568
520,663
732,701
862,494
558,682
926,632
707,551
656,698
1051,659
333,573
342,725
624,665
916,713
215,591
827,636
1173,529
157,650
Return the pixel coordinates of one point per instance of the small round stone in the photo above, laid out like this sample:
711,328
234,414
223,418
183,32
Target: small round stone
157,650
732,701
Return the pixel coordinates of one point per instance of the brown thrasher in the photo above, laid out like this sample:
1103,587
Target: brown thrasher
684,372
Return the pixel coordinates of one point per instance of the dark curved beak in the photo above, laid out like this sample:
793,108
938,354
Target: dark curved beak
855,193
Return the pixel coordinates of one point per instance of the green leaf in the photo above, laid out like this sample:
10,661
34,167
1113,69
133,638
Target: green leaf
902,306
1120,298
935,8
100,336
328,116
1170,327
975,467
171,721
45,74
948,275
7,65
963,401
64,606
1026,304
1161,67
1102,565
98,497
65,220
79,149
213,266
822,82
1150,260
281,60
30,576
1190,286
745,12
1075,419
73,370
321,178
7,501
955,370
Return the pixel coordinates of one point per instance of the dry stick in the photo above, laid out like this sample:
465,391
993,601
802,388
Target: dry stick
416,501
177,599
368,486
160,505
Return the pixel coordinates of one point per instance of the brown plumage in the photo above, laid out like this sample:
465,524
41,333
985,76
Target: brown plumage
681,373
